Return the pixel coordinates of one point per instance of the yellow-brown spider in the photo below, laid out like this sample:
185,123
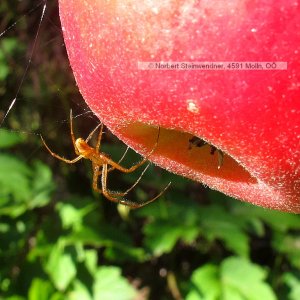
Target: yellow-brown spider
101,162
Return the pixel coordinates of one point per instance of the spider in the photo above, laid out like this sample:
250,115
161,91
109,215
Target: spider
197,142
100,164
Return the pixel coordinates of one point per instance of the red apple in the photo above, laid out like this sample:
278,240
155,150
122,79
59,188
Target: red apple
252,116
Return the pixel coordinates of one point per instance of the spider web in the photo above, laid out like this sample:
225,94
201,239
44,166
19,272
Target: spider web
42,91
13,102
26,92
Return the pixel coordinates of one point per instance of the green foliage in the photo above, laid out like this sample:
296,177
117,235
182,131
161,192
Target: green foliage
7,47
236,279
294,283
185,220
9,138
23,188
110,285
61,241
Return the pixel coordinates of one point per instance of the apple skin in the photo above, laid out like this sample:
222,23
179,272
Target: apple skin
253,116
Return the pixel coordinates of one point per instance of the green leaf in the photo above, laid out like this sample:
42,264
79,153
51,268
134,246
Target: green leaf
170,223
246,278
119,244
79,292
14,180
218,224
91,259
10,44
162,236
23,188
184,220
180,210
42,185
4,71
40,290
71,216
235,279
288,245
109,284
205,284
9,138
125,254
60,267
105,235
7,47
279,221
294,284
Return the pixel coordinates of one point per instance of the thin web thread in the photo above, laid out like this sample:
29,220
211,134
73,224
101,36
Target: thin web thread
13,102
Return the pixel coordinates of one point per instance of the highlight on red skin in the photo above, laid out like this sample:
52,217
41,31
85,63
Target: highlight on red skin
253,117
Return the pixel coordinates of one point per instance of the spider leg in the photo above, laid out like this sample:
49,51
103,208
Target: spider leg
68,161
124,154
113,196
72,133
97,148
143,203
137,165
96,174
108,194
115,165
120,194
92,133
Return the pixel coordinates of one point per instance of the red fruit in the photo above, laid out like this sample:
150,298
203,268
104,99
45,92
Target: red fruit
253,116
